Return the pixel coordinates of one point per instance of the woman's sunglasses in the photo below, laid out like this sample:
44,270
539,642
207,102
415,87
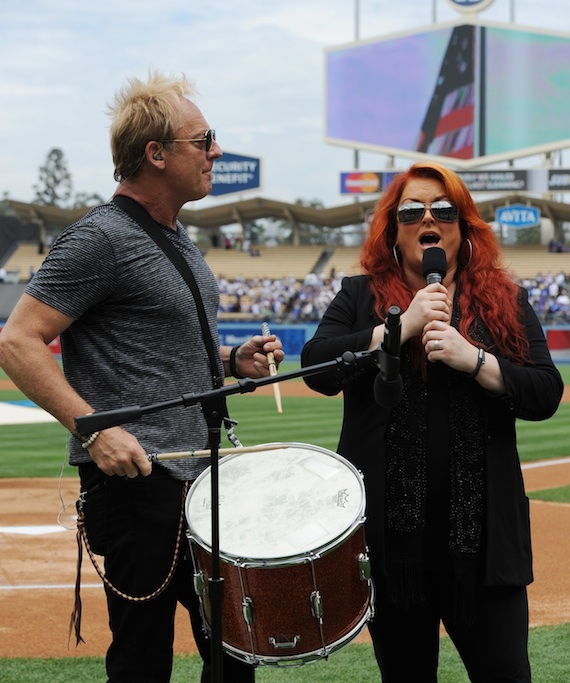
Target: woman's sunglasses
412,212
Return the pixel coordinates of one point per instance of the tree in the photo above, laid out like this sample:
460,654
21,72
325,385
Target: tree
55,186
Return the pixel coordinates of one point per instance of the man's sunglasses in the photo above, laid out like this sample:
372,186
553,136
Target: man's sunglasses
209,137
412,212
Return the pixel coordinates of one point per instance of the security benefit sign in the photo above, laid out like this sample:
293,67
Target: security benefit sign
235,173
518,216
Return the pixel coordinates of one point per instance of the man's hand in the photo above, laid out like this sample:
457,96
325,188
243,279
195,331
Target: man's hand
116,452
251,357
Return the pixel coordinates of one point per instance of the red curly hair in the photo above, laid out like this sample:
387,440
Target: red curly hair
486,289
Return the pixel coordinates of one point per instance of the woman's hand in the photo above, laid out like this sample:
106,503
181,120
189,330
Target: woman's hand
432,303
443,342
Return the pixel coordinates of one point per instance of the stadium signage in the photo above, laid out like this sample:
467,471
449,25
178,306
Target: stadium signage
470,5
292,337
514,180
365,182
360,183
498,181
235,173
518,216
559,179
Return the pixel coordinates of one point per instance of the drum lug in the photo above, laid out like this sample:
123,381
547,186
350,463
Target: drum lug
364,567
317,605
247,611
286,645
199,584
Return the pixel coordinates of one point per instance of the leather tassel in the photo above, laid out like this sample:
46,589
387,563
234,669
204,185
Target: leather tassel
75,621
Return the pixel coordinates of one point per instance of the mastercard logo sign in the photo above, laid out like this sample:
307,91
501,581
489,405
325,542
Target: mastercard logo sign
362,183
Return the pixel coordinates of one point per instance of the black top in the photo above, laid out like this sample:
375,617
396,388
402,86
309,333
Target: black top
436,534
532,392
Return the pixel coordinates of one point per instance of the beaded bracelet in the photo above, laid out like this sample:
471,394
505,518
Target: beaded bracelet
90,440
233,366
480,362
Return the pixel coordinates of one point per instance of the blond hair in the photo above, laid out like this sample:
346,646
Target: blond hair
141,112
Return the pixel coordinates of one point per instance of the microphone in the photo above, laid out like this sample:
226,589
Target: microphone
388,382
434,265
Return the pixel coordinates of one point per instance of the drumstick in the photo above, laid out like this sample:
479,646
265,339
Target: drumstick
272,368
206,453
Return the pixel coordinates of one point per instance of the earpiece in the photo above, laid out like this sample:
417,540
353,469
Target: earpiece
157,156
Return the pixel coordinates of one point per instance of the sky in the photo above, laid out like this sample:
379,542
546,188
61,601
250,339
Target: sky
258,68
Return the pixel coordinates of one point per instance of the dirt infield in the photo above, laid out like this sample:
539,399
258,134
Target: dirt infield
37,569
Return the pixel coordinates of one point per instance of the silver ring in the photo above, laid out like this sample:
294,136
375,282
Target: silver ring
436,345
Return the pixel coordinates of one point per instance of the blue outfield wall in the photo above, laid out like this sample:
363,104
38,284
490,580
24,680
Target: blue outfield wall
293,337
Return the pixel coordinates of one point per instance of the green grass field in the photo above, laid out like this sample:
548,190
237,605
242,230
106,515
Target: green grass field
548,649
39,451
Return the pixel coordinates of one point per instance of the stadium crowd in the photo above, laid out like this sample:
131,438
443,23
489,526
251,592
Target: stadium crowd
284,300
549,297
287,300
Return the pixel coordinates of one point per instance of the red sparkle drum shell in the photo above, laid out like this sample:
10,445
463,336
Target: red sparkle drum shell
292,552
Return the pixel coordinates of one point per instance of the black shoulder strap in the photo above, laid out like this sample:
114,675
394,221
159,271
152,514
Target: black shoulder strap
141,216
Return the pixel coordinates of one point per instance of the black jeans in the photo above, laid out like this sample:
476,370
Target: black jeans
494,649
134,524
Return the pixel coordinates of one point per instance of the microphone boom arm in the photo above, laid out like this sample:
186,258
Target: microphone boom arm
99,420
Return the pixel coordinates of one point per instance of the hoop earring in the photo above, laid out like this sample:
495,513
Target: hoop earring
470,253
394,251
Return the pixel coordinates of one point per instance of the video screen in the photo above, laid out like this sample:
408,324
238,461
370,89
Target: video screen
463,92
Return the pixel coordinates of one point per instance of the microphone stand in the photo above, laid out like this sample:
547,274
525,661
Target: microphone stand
388,366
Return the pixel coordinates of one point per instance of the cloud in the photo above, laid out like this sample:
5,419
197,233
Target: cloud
258,67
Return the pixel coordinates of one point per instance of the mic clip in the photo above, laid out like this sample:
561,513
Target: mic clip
388,365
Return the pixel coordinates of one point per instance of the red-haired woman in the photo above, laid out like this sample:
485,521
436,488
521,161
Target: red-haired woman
447,516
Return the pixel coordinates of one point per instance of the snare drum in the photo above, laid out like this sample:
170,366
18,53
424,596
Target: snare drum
293,556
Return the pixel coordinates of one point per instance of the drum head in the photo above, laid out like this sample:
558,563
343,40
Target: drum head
278,503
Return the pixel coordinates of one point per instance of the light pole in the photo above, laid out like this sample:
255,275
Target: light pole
356,38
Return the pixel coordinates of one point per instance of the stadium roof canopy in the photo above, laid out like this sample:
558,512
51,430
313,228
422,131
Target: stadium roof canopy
218,216
241,212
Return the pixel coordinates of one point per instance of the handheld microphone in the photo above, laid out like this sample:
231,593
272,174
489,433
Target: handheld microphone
434,265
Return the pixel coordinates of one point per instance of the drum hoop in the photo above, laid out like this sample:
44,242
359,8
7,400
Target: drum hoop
314,655
285,560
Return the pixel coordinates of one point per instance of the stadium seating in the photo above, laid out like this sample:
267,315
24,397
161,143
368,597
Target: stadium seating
272,262
528,261
345,260
285,260
24,258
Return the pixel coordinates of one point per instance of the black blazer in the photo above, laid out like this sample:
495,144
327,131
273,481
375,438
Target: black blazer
533,392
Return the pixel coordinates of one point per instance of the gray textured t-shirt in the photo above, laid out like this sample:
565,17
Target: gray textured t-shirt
136,339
